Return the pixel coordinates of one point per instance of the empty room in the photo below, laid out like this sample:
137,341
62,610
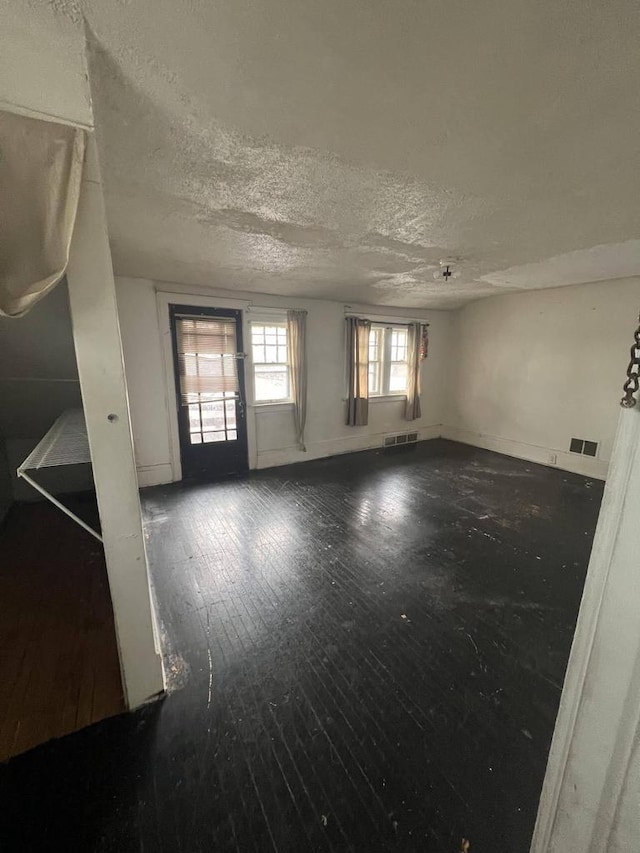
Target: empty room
319,426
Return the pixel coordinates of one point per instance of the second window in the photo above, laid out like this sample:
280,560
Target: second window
388,370
270,353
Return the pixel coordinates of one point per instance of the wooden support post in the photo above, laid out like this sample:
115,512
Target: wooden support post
96,334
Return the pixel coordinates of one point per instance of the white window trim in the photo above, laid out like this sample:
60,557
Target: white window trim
279,319
385,394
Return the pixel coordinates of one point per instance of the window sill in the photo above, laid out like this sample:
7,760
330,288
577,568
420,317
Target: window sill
387,398
274,406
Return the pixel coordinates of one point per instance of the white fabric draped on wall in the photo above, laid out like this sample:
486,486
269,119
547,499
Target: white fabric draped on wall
297,334
40,175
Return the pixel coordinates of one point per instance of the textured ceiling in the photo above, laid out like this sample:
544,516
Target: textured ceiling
341,148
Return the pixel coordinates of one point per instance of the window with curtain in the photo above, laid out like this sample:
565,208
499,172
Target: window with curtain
271,362
388,360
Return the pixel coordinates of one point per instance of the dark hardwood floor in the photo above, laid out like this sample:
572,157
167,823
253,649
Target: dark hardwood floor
58,652
366,654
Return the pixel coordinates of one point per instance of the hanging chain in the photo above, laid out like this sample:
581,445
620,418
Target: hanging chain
633,374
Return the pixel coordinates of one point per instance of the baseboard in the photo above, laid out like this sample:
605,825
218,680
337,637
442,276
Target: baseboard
337,446
154,475
585,465
157,475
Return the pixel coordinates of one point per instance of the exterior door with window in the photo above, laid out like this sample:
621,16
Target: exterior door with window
210,390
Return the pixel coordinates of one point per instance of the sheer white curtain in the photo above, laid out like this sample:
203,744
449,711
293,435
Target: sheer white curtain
297,337
358,331
40,174
413,409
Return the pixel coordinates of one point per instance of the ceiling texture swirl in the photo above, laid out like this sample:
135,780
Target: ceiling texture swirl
341,148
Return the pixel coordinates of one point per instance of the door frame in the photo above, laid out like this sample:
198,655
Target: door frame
163,300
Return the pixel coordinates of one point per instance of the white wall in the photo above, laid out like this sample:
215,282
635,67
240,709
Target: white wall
326,433
519,374
531,370
42,62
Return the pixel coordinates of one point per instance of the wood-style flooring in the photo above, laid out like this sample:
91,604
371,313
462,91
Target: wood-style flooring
366,654
58,655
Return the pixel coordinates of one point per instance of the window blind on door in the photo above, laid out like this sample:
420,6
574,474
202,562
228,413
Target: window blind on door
207,358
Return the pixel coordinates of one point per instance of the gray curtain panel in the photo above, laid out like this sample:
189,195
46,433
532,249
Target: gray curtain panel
413,409
297,335
358,366
40,176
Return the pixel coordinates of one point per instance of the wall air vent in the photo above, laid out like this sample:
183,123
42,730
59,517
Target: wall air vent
401,438
581,445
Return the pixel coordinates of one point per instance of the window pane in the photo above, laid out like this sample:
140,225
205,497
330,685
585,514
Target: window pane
374,378
230,406
269,344
398,377
271,383
398,345
213,436
232,435
212,416
196,438
194,418
374,344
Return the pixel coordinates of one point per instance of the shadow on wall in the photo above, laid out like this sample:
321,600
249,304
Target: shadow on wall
38,381
6,487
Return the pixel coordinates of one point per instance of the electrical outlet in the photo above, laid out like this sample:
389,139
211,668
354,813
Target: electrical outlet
553,459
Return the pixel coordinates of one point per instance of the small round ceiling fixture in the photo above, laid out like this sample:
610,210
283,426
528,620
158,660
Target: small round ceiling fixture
447,270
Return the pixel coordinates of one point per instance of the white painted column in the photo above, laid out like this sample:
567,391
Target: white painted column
98,347
591,795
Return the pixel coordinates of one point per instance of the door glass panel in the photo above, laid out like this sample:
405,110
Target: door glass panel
208,377
213,416
230,409
210,437
194,419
